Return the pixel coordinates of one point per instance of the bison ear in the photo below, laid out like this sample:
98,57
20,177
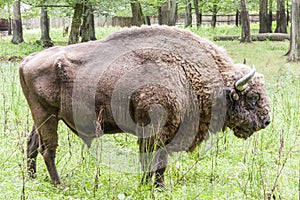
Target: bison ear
231,94
234,96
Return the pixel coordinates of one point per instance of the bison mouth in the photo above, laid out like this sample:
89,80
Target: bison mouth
245,132
242,132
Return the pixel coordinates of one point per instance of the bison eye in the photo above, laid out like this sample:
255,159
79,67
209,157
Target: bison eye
252,99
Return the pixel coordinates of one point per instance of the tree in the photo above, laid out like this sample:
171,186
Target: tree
75,25
197,12
263,16
214,15
281,17
9,26
82,22
9,18
167,13
214,6
45,28
92,24
246,37
287,13
237,16
188,14
294,52
17,24
137,14
270,18
84,28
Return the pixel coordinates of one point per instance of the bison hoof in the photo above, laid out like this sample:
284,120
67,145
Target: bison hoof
31,174
159,185
56,182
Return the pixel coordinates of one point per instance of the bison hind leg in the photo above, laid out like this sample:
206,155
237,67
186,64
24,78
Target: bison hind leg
48,143
32,152
44,138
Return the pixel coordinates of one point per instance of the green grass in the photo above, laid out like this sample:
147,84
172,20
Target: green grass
266,163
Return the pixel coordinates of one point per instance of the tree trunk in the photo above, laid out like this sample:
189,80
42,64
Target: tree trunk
197,12
162,15
9,20
84,28
214,16
137,13
44,23
246,36
17,24
287,13
148,21
9,26
173,12
167,13
270,17
237,16
75,26
188,14
92,24
256,37
280,17
263,16
294,53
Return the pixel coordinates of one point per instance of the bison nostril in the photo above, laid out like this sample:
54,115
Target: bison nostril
267,121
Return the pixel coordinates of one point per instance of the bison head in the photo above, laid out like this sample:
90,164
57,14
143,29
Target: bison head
248,103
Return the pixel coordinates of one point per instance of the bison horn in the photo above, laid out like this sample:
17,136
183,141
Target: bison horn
242,83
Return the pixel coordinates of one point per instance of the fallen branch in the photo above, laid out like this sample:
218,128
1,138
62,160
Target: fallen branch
255,37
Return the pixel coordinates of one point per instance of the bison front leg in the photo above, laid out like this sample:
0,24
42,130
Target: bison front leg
146,157
161,161
32,152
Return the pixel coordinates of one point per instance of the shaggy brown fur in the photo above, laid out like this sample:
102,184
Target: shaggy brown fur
195,89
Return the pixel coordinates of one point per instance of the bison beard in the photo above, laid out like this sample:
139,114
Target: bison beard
184,85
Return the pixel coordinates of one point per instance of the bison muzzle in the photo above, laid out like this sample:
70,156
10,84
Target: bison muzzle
167,86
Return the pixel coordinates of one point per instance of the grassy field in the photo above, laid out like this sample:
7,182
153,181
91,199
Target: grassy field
266,164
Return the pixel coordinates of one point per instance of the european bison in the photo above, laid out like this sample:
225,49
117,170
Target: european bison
165,85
